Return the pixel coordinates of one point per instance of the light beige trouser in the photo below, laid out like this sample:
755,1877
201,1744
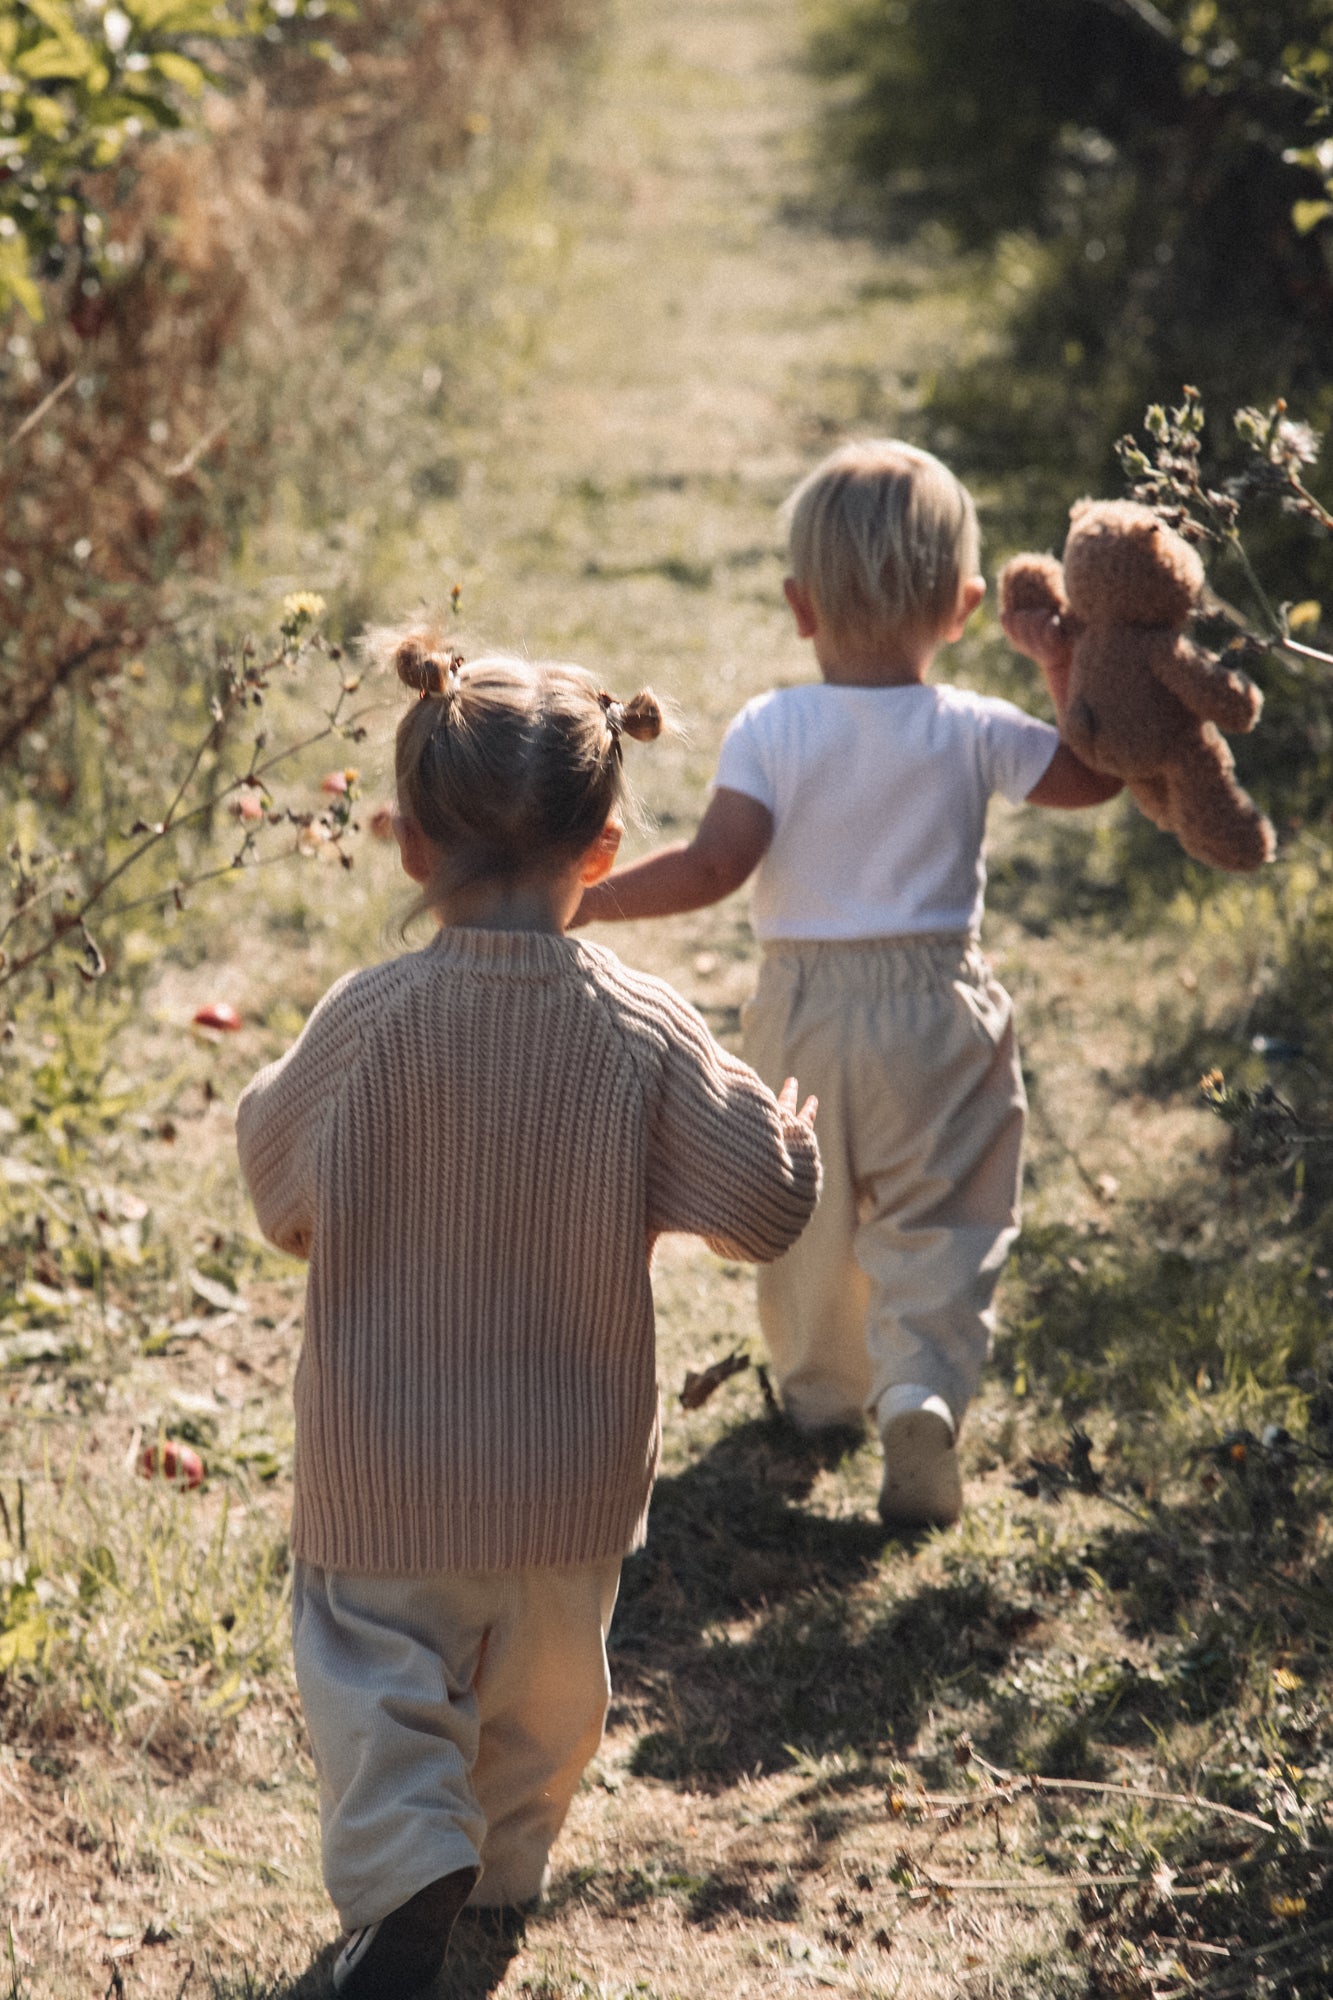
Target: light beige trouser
908,1043
451,1718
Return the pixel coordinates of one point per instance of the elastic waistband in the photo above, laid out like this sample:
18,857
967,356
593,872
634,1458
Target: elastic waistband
926,958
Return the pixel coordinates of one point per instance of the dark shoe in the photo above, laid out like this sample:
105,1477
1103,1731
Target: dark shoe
403,1952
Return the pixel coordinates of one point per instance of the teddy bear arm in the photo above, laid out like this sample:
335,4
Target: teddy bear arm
1208,689
1043,635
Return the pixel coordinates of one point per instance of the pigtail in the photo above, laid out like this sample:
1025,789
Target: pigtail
640,717
423,664
644,718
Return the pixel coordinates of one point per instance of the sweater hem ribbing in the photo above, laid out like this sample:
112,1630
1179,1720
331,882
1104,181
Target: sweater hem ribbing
423,1541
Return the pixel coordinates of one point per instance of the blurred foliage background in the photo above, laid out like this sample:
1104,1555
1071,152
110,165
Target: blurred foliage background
193,194
1150,185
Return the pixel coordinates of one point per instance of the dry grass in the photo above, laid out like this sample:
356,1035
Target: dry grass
140,416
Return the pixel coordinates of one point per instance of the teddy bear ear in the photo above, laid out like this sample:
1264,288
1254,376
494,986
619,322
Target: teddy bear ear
1080,507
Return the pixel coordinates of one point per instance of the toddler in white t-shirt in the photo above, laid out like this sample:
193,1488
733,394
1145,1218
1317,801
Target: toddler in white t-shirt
860,799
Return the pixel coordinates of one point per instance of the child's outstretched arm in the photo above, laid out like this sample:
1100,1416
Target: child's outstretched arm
731,841
1068,782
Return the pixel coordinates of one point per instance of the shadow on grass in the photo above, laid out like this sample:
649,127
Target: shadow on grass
315,1983
483,1943
479,1955
730,1535
822,1666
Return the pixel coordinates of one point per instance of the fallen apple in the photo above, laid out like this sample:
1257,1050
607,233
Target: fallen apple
218,1014
171,1460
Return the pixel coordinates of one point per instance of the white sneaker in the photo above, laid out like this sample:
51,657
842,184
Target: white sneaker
922,1486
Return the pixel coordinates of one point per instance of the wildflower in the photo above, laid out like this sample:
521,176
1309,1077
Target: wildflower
312,837
1293,443
302,607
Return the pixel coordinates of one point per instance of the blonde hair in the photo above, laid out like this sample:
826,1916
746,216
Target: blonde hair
505,763
883,537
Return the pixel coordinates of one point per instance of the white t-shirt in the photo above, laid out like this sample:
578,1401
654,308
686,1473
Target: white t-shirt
878,797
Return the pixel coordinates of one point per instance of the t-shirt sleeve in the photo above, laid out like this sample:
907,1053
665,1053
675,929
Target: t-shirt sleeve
1017,749
745,760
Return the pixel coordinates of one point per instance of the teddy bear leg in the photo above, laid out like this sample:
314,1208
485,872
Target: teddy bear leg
1211,817
1152,796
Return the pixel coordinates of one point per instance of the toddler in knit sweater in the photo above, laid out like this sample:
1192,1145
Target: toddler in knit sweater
476,1145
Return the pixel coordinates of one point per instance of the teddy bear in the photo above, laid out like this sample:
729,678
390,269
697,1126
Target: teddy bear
1135,698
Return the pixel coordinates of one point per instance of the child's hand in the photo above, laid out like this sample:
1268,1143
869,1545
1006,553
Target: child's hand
1045,635
787,1103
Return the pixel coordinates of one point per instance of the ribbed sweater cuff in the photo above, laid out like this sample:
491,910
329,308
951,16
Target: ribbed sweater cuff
418,1540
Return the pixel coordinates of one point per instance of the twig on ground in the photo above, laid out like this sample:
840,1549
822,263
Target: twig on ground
202,446
1015,1787
34,416
929,1884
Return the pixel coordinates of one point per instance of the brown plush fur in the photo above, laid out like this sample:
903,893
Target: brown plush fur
1141,701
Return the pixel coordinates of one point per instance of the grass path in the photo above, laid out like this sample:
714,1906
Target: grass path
672,342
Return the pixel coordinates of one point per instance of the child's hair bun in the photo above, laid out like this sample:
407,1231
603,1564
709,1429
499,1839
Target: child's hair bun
418,666
643,716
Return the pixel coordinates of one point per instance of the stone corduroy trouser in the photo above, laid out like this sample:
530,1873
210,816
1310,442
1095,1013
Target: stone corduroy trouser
451,1718
908,1043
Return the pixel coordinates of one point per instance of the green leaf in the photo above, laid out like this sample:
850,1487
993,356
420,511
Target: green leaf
24,1641
56,16
180,70
178,17
1307,215
17,286
55,59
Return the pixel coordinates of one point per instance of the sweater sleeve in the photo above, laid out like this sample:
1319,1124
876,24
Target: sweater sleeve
726,1163
281,1113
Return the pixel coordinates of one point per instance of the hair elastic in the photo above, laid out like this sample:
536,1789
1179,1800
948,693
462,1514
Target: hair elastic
443,679
614,711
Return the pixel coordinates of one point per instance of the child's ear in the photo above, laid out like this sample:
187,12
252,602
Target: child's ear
601,856
802,607
969,597
417,854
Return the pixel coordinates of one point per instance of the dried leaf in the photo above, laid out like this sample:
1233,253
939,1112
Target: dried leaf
696,1389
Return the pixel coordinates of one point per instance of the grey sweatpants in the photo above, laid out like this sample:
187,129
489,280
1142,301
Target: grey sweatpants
908,1043
451,1719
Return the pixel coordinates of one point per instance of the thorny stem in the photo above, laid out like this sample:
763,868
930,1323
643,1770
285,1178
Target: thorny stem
1230,537
182,888
1306,652
171,824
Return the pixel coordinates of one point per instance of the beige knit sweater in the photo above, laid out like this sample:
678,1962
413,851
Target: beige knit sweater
476,1146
